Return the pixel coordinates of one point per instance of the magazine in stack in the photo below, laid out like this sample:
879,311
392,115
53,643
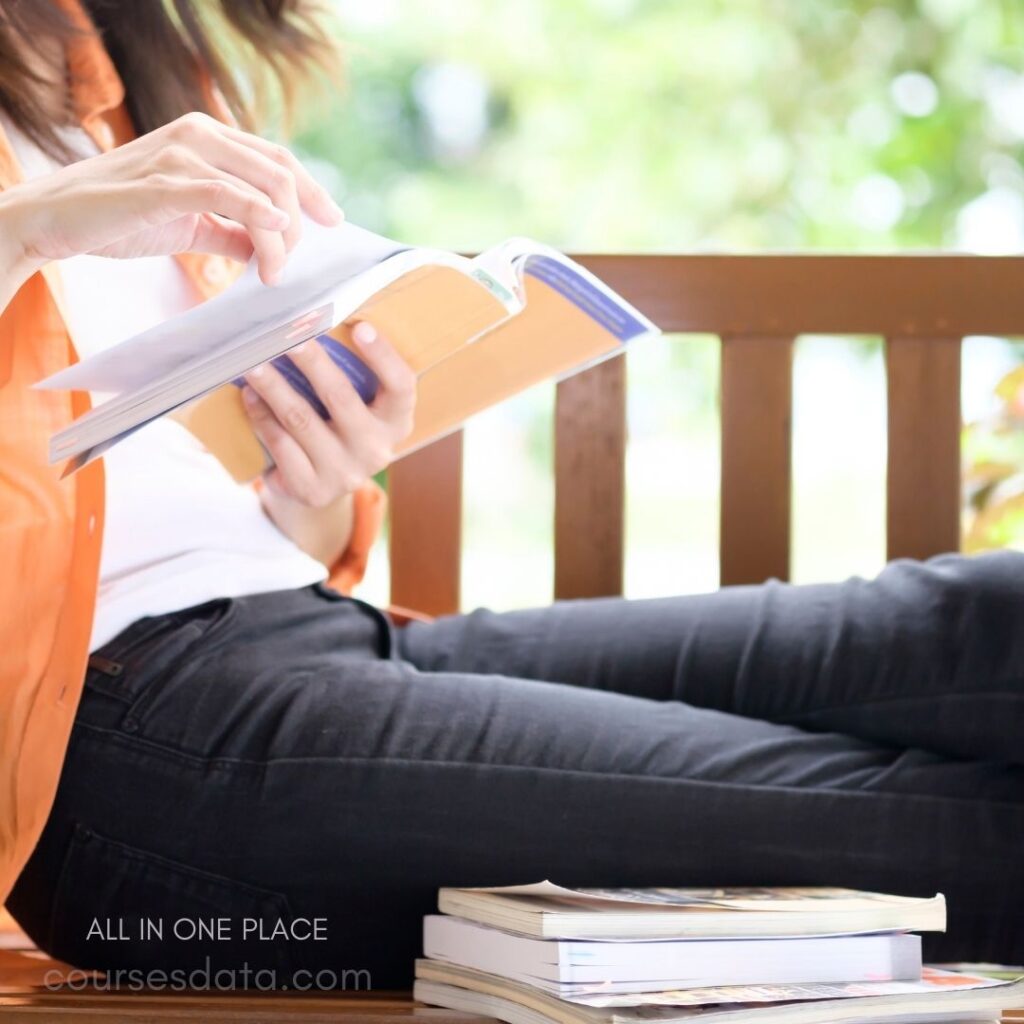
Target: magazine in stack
543,953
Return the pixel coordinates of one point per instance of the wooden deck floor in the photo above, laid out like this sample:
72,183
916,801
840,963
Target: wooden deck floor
24,999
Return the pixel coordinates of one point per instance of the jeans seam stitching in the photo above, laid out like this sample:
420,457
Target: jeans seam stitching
198,761
924,695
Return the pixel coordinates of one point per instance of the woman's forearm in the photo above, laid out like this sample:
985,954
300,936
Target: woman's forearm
16,266
323,533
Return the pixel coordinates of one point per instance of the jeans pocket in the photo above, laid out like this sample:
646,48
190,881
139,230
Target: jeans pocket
125,672
140,916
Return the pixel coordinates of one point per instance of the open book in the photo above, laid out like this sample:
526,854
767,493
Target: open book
475,331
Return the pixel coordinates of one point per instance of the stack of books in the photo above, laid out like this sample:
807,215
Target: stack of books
535,954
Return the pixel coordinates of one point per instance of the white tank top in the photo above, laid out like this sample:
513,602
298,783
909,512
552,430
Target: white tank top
179,530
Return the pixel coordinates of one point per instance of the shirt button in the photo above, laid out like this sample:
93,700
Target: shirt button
92,523
104,135
213,272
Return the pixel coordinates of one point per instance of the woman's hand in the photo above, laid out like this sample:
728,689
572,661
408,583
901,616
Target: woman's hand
192,185
317,461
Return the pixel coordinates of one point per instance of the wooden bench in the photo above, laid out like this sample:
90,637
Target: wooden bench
922,305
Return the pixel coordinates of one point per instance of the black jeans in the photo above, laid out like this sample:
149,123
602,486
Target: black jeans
290,755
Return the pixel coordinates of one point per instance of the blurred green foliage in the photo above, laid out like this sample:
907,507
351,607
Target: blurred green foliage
659,124
994,470
669,125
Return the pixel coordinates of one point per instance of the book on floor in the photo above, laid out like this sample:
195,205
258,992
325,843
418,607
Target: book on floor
937,996
475,331
546,910
565,967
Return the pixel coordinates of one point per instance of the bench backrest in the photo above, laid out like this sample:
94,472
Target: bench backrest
922,305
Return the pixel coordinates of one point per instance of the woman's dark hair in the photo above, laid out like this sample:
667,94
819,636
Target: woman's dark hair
249,50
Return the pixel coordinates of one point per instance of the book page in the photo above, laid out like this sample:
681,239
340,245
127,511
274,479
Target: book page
745,898
429,314
932,982
938,991
322,262
778,899
554,335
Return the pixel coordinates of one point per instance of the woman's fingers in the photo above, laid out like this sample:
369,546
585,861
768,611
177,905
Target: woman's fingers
221,237
202,148
318,461
372,432
158,192
293,472
313,197
205,135
262,221
277,180
271,254
220,159
396,397
351,420
165,196
334,471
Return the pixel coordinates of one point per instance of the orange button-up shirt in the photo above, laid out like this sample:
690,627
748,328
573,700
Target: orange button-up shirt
51,529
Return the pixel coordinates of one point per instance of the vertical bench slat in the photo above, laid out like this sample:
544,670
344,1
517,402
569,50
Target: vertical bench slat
757,400
426,527
590,460
923,473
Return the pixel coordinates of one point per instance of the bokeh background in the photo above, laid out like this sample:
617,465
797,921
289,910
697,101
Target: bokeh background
667,125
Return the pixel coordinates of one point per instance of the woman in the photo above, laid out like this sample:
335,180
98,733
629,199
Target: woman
248,745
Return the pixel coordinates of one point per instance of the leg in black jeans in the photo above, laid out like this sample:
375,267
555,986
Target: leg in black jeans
273,755
927,655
